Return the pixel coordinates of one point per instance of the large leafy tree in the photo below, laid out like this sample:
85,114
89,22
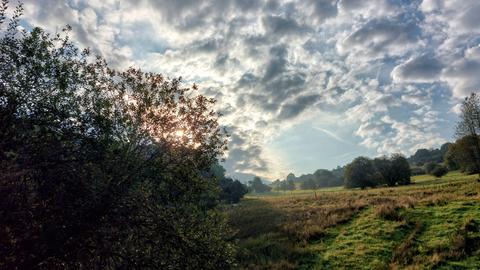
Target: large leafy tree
393,171
469,126
464,154
400,170
361,173
99,168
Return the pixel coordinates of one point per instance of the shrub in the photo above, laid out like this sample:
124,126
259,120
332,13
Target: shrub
439,171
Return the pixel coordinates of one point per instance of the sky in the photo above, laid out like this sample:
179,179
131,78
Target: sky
302,85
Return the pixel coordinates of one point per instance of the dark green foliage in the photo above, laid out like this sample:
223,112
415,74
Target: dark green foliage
308,184
401,170
319,179
429,167
285,185
361,173
380,171
467,130
439,171
101,169
326,178
256,185
384,167
465,155
450,160
232,190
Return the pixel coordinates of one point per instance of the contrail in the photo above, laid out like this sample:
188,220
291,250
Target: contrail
333,135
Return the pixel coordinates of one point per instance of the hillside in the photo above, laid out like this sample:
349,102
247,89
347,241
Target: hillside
430,224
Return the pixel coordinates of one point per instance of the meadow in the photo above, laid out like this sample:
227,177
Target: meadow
432,223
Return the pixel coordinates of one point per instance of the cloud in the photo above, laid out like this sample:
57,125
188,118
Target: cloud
334,136
379,37
281,26
389,72
463,74
421,69
294,108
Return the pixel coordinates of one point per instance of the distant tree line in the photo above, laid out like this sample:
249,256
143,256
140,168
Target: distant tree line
257,186
463,154
423,156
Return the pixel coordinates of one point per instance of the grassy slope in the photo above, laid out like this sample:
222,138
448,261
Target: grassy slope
431,224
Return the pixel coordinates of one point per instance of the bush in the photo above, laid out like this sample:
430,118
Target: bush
439,171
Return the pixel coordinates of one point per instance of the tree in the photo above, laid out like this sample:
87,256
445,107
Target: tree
439,171
429,167
360,173
99,168
469,125
384,167
289,184
449,158
258,186
308,184
232,190
394,170
401,169
326,178
464,153
276,185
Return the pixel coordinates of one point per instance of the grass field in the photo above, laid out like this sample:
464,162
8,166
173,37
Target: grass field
433,223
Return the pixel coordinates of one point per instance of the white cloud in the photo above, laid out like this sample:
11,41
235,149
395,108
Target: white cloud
377,66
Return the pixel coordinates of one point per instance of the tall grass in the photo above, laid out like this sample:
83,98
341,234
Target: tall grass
278,232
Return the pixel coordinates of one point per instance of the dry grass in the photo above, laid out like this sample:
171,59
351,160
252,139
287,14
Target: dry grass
301,220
